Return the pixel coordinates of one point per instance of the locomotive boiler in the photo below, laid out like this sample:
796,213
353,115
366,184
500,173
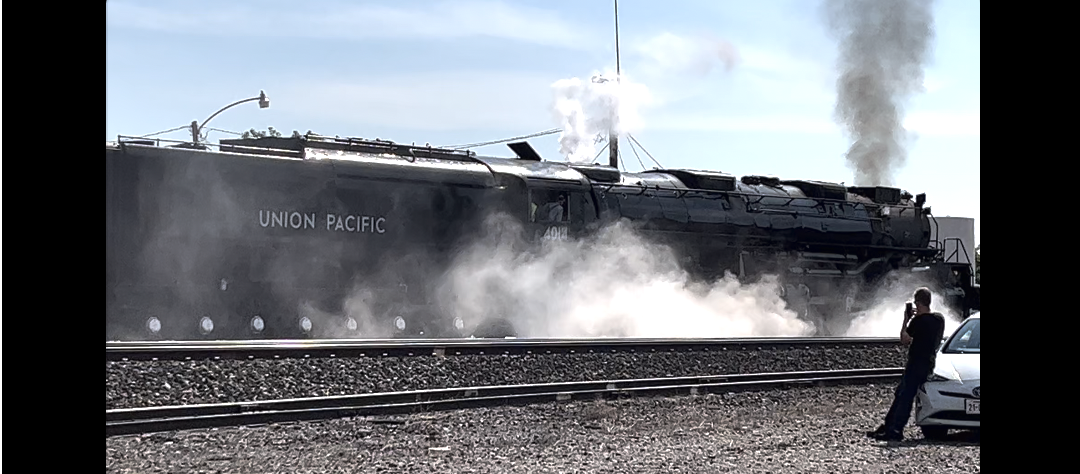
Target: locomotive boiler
311,237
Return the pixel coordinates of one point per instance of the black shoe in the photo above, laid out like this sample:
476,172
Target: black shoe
878,432
888,436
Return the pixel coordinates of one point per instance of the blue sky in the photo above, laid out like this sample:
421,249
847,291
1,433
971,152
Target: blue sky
457,72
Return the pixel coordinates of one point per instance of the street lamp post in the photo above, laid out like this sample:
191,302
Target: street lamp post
264,102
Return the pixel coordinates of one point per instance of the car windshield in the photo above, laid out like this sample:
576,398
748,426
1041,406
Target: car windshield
965,340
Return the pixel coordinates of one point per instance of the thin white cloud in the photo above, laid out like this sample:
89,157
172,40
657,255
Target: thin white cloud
767,90
944,123
357,22
523,102
950,124
735,123
682,54
778,63
471,100
677,67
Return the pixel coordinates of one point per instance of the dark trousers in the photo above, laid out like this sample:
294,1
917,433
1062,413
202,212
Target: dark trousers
904,398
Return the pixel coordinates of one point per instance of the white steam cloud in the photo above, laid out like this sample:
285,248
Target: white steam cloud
884,319
359,306
612,285
588,111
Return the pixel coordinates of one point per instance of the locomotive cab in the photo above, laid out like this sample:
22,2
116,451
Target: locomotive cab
549,211
559,212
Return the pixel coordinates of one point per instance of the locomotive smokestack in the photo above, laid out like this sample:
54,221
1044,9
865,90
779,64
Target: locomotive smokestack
883,45
613,148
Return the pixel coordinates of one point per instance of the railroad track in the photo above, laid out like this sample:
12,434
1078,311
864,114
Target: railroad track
194,350
157,419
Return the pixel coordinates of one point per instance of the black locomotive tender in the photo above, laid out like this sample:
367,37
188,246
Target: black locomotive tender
235,243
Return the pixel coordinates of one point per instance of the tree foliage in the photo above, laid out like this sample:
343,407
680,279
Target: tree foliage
270,132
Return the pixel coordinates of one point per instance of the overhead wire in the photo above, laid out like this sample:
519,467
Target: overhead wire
504,140
550,132
223,131
165,131
204,135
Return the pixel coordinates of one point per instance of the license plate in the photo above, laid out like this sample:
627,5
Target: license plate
971,407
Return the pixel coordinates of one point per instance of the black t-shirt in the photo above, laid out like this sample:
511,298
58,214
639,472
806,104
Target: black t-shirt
926,331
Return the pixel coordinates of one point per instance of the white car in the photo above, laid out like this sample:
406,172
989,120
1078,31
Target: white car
950,397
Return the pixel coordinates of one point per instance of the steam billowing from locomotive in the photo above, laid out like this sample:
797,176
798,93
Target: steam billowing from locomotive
883,46
612,284
884,318
589,110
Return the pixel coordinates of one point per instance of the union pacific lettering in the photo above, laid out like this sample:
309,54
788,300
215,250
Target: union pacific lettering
334,222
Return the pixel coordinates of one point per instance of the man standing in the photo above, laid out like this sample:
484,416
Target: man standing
922,332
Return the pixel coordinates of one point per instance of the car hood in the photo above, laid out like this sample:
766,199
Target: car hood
961,367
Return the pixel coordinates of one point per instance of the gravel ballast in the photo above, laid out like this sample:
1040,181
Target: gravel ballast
130,384
795,430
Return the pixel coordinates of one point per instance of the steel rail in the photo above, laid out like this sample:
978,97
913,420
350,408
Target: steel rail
192,350
185,417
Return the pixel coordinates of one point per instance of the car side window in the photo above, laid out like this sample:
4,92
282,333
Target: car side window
967,340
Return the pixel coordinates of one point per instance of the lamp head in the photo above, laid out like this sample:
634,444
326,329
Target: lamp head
264,101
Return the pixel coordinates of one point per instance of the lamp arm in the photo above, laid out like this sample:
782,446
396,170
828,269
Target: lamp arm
224,108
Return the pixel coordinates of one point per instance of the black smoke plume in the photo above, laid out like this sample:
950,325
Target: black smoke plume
883,47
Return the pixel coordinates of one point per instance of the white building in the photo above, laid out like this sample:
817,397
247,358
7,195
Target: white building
949,233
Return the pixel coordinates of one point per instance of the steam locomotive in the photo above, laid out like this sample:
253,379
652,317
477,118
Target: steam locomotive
287,237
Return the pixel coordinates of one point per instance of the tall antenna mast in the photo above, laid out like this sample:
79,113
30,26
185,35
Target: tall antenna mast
613,139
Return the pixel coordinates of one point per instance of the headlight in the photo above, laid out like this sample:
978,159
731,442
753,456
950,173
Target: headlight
206,325
257,323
